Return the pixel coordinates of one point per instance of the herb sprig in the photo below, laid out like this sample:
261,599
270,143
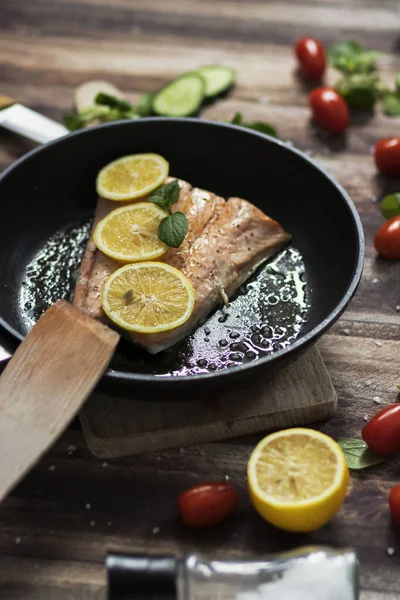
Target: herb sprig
261,126
360,84
173,228
357,453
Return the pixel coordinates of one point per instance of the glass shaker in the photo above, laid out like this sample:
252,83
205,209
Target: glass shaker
310,573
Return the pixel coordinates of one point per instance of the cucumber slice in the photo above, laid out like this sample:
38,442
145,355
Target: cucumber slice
217,78
180,98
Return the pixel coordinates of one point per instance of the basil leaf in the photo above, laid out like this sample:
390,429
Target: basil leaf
166,195
237,119
350,57
262,127
357,453
145,106
391,104
173,229
390,205
359,90
112,101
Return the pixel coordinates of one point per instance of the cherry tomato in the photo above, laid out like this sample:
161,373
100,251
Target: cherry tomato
329,109
382,432
311,56
387,155
394,503
387,238
207,504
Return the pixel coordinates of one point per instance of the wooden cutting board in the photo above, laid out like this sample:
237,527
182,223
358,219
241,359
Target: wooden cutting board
298,394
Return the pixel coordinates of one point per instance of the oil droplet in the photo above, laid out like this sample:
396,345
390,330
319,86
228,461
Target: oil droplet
234,335
223,343
202,363
236,356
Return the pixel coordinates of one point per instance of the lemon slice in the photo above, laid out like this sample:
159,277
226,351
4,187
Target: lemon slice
148,297
132,177
297,479
130,233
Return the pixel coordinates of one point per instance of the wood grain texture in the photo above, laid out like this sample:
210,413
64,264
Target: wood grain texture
45,383
48,47
298,394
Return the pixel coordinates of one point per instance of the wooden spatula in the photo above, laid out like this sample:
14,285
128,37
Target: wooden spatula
46,382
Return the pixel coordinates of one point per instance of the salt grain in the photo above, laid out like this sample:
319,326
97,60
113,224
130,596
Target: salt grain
398,307
155,530
105,464
227,478
365,417
52,468
368,383
109,523
390,551
376,399
72,447
378,343
17,540
158,458
375,280
88,506
346,331
70,452
92,523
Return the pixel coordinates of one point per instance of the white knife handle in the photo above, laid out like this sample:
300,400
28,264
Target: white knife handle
30,124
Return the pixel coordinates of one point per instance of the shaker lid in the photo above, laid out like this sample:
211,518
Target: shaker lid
141,577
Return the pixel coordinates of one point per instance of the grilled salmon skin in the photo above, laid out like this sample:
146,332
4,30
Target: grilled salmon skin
226,242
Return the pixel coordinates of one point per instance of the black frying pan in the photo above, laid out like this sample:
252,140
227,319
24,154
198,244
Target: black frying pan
50,194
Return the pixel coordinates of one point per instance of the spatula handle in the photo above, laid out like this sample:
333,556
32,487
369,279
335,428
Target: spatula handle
46,382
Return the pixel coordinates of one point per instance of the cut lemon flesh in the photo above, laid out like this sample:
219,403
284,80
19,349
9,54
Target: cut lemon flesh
132,177
130,233
297,479
148,297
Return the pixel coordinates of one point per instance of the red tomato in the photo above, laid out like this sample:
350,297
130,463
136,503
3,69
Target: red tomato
394,503
382,432
387,155
387,238
207,504
329,109
311,56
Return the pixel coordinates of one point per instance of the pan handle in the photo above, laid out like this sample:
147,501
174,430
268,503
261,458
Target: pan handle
30,124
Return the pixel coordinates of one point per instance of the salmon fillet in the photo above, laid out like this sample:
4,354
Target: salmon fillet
226,242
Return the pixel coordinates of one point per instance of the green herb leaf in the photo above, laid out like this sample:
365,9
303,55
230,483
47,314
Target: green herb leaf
357,453
166,195
359,90
173,229
390,205
350,57
77,121
261,126
237,119
397,83
112,102
73,122
145,106
391,104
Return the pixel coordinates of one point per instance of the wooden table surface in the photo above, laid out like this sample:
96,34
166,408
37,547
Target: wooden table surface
59,523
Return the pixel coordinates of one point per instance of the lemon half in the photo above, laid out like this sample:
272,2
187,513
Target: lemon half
297,479
148,297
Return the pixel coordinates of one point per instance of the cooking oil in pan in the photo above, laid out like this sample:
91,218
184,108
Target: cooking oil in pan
264,316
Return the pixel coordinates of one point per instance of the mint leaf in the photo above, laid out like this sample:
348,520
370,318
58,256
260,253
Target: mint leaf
262,127
357,453
173,229
359,90
390,205
350,57
391,104
166,195
112,102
